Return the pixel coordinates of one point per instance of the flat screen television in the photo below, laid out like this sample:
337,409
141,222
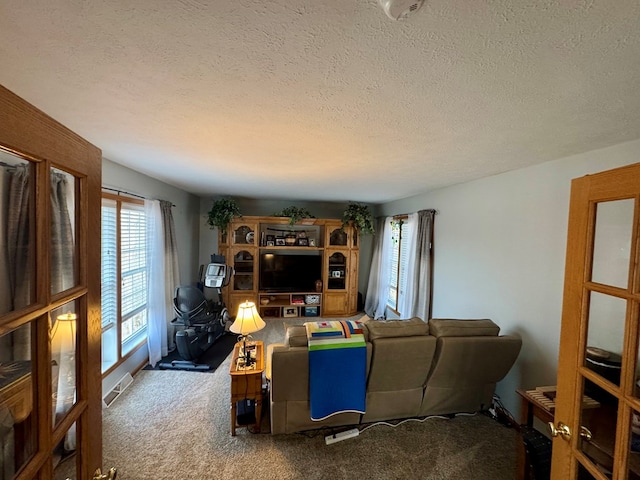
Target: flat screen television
289,271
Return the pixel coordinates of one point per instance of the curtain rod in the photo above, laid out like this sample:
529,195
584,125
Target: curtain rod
118,191
8,165
435,212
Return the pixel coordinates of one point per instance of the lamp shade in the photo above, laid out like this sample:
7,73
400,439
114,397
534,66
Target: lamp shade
248,319
63,336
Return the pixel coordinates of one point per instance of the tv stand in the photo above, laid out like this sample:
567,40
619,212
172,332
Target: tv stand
248,237
295,304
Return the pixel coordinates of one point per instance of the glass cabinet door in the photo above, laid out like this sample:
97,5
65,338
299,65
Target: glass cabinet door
243,265
244,234
337,237
337,271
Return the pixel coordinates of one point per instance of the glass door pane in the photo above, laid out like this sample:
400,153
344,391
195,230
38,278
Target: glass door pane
63,231
337,271
605,336
18,431
17,272
599,418
63,334
612,243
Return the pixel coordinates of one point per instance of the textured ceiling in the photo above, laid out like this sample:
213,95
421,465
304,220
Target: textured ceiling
328,99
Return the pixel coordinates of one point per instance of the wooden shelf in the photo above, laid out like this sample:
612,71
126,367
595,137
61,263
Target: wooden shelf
281,301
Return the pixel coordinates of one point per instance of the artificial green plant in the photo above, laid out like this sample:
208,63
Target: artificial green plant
359,216
222,212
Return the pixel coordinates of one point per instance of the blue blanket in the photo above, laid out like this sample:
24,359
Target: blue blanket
337,368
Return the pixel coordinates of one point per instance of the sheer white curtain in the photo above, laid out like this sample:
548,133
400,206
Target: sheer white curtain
378,289
156,298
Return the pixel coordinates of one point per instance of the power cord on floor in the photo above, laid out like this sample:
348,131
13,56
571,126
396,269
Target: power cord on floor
500,413
333,430
394,425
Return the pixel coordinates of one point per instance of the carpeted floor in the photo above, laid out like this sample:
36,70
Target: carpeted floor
175,425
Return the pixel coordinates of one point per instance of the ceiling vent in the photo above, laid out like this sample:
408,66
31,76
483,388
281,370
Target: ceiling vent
400,9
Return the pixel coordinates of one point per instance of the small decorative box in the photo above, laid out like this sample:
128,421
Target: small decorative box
311,299
311,311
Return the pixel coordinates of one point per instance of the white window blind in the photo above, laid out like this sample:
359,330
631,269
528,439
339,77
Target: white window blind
393,271
403,259
133,269
399,258
109,275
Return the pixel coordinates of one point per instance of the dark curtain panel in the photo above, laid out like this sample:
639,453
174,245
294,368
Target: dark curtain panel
171,272
62,241
17,345
423,268
20,251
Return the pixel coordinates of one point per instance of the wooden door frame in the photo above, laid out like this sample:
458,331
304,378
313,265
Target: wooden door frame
586,192
31,134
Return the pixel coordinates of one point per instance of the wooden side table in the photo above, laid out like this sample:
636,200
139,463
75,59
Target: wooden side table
535,403
246,384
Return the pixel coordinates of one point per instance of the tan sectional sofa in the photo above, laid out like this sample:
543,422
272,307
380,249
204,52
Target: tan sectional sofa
414,369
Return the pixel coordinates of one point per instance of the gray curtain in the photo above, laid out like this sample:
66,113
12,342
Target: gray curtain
422,270
62,241
171,270
19,248
17,345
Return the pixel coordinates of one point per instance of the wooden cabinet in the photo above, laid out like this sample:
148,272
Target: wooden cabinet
341,263
239,247
249,237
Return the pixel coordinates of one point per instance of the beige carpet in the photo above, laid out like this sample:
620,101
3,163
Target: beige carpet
175,425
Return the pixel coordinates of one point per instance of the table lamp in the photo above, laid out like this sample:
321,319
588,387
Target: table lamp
63,336
247,321
63,351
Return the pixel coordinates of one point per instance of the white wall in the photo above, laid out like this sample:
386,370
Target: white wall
500,250
186,218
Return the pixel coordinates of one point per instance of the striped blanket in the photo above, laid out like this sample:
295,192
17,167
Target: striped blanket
337,368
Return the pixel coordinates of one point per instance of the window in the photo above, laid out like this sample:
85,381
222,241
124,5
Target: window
124,277
399,258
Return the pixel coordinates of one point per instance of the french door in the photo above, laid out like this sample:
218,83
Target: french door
50,383
599,437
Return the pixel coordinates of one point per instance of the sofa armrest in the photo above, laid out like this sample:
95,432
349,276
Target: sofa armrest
270,348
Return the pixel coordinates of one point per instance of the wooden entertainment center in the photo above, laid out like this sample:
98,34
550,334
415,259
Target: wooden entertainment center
250,238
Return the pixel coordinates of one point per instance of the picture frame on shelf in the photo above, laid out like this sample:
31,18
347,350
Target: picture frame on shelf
303,242
280,242
270,311
270,243
289,311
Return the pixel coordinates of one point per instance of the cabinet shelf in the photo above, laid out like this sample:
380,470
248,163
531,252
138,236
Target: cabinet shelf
295,302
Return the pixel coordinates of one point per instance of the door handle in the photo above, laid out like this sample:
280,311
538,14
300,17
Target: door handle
585,433
110,475
562,430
